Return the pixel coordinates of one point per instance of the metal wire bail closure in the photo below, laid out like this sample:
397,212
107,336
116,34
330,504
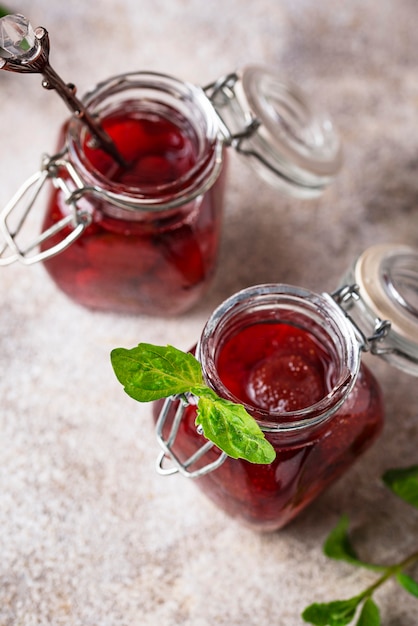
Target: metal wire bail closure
178,404
16,244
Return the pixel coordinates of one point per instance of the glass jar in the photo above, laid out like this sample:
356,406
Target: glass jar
293,359
144,239
152,239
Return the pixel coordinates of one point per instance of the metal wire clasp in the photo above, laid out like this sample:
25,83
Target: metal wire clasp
16,246
173,409
221,93
371,330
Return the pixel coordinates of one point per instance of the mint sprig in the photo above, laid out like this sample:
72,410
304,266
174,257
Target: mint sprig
149,372
404,483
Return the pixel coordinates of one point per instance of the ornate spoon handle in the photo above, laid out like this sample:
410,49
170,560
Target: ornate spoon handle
26,50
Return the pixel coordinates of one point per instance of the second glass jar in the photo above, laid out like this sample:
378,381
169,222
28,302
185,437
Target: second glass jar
292,358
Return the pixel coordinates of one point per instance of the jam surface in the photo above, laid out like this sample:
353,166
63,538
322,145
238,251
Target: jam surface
280,368
156,149
151,262
275,367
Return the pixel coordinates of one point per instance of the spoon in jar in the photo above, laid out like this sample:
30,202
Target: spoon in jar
24,49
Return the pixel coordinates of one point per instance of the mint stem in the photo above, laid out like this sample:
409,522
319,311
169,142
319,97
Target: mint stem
391,570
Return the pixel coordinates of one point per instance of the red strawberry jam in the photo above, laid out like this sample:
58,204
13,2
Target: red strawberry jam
279,371
285,371
157,151
146,260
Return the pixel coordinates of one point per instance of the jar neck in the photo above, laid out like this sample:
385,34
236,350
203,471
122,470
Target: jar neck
317,315
152,96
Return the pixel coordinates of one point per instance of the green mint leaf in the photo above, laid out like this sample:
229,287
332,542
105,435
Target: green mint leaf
370,615
338,545
233,430
404,483
408,583
3,11
150,372
336,613
203,391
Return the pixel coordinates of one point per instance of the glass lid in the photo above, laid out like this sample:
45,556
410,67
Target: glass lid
387,276
271,122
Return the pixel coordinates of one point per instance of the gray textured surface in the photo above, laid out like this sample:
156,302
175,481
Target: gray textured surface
90,535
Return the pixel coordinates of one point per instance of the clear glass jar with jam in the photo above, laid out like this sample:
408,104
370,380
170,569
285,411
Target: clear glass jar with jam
144,238
293,359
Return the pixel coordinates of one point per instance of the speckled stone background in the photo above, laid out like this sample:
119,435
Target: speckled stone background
90,535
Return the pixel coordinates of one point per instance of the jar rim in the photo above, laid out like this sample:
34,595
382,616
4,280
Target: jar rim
329,317
180,96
